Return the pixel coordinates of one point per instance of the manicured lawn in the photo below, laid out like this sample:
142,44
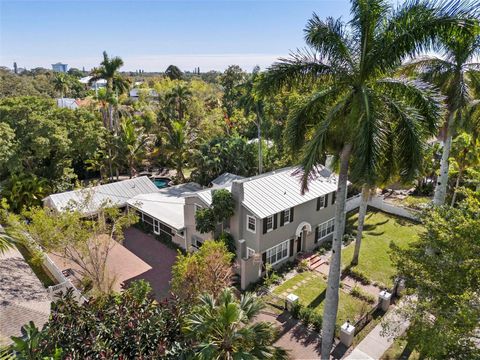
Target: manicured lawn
379,231
312,294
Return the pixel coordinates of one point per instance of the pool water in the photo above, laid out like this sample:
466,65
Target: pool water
161,183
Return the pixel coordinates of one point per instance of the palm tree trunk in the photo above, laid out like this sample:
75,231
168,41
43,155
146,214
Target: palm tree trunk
110,162
331,297
457,183
361,220
260,158
442,182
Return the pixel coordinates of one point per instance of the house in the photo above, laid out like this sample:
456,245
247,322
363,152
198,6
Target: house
136,92
273,220
96,84
68,103
89,200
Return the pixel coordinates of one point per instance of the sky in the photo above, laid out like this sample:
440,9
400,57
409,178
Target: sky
150,35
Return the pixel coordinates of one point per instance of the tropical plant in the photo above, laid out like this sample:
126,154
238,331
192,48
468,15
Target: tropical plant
178,146
177,99
24,191
357,109
61,83
222,328
455,75
230,79
252,103
133,140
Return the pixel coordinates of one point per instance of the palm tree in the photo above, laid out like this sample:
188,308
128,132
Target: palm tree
108,70
61,83
178,145
357,110
223,329
251,103
452,75
24,191
134,141
177,99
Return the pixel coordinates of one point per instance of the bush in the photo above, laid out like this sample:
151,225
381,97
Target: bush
347,239
305,314
229,242
303,265
317,321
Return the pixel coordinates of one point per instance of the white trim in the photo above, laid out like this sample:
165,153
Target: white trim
255,224
250,252
300,227
327,226
324,197
286,242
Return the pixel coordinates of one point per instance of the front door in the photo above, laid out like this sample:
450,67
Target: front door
299,242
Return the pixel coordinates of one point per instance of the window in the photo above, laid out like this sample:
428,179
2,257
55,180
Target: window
277,253
270,223
321,202
250,252
197,242
325,229
286,216
197,207
251,223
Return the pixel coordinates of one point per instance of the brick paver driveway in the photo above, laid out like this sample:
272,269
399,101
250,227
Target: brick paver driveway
157,255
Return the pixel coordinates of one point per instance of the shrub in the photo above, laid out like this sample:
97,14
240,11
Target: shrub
347,239
229,241
305,314
303,265
317,322
358,275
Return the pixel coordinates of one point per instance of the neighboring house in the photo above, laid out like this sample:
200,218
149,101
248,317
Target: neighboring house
96,85
273,221
59,67
68,103
89,200
136,92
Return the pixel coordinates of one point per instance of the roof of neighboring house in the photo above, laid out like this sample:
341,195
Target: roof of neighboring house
89,200
23,298
68,103
270,193
225,179
86,79
166,204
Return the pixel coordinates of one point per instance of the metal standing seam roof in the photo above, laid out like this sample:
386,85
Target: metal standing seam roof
225,179
114,194
274,192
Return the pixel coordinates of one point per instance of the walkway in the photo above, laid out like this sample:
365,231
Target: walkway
374,345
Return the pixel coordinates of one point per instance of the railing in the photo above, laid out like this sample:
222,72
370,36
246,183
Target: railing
378,203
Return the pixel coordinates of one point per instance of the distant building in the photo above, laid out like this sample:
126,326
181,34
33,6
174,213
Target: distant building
67,103
59,67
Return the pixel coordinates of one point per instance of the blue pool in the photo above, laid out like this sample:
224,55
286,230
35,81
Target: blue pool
161,182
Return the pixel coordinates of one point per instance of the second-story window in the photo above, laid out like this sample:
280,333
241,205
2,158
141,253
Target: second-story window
269,223
322,202
286,216
251,224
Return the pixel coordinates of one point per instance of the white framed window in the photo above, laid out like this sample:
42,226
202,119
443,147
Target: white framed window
286,216
251,224
250,252
322,202
269,223
277,253
325,229
197,207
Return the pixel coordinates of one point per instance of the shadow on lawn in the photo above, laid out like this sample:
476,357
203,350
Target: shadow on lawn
351,228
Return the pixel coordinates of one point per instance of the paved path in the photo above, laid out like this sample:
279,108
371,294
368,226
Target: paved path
374,345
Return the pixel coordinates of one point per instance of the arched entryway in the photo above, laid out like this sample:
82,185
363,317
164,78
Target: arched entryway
303,229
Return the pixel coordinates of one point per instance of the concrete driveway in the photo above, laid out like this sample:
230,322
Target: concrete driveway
157,255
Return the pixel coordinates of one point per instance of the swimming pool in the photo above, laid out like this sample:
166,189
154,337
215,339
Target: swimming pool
161,182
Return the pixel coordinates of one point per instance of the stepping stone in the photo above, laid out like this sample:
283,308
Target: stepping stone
295,287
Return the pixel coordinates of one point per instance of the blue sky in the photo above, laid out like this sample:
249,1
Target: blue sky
150,35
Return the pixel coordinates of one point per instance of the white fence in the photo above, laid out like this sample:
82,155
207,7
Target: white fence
378,203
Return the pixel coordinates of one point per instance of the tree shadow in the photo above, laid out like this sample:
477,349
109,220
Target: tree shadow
318,300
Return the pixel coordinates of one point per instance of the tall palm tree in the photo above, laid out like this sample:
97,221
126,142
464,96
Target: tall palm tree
178,145
356,110
134,141
223,329
252,103
61,84
452,75
178,99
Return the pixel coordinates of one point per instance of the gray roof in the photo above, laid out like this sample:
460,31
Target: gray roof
114,194
279,190
225,179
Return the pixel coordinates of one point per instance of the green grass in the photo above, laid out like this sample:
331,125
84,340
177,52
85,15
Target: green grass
379,231
38,269
414,202
312,294
397,351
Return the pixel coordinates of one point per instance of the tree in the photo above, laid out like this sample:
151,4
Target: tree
208,270
230,79
134,141
178,99
251,103
222,328
83,241
174,73
61,84
222,209
452,75
466,154
443,268
356,108
24,191
127,325
178,146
